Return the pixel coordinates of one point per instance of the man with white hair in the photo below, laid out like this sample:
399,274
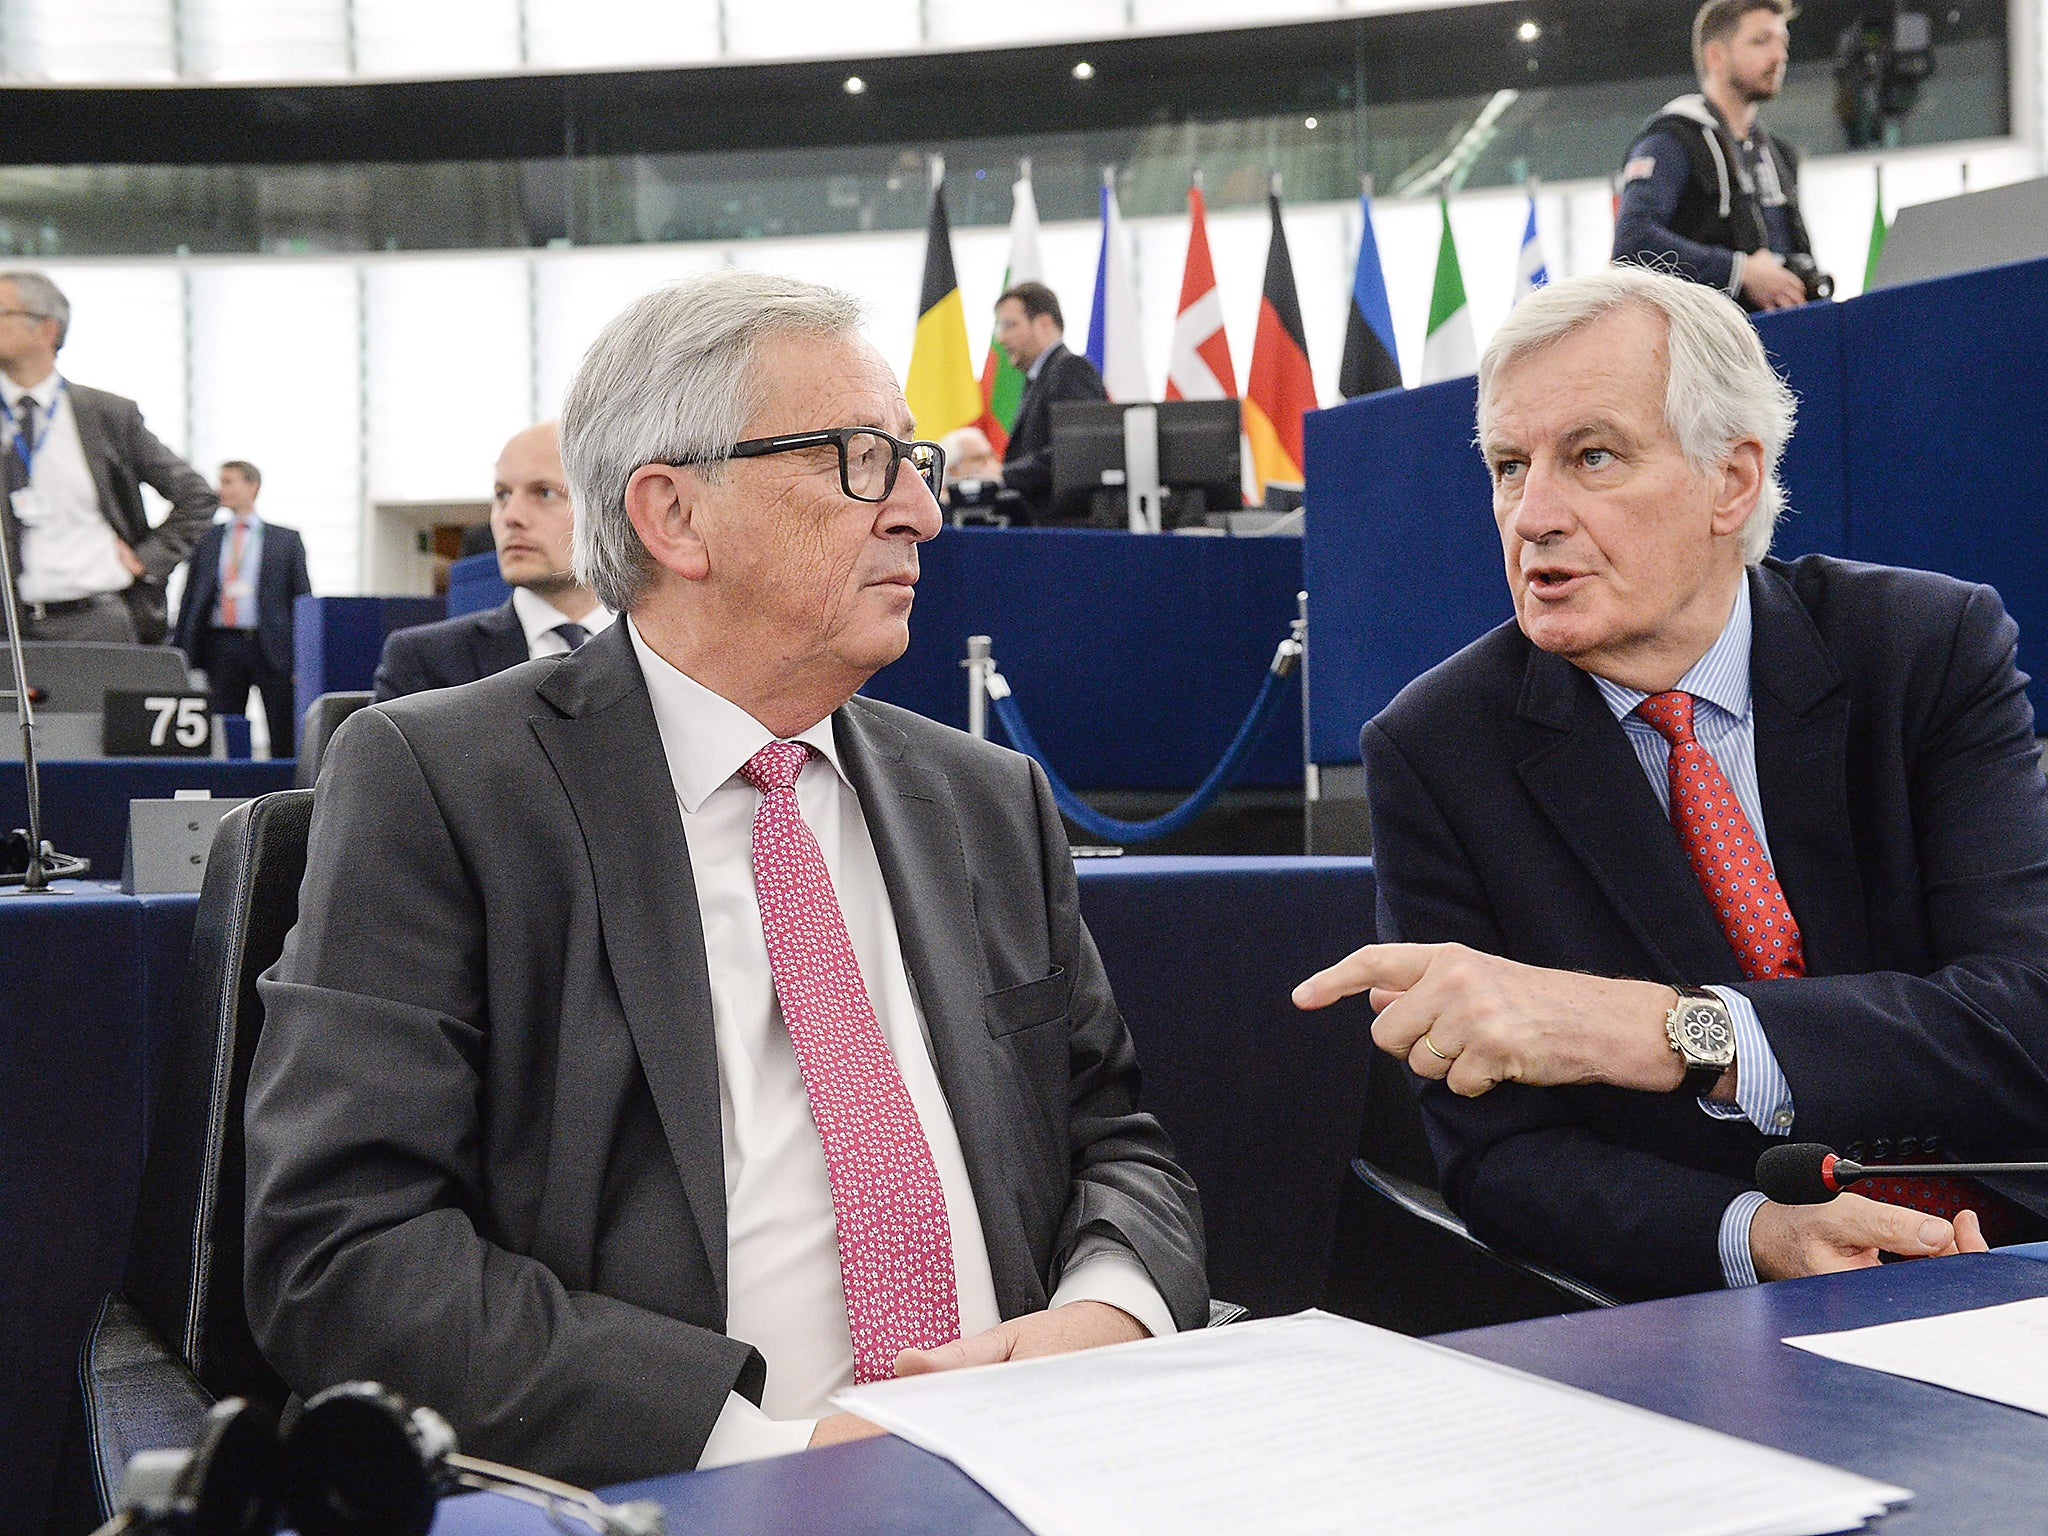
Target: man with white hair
714,1038
1705,850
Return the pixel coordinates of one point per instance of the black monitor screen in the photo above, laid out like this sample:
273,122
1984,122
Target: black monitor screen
1199,459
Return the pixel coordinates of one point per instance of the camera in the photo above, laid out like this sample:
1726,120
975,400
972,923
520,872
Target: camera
1818,284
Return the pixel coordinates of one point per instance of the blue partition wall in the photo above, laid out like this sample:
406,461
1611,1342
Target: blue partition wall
337,640
1921,409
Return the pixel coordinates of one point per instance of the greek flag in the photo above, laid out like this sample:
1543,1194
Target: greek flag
1531,272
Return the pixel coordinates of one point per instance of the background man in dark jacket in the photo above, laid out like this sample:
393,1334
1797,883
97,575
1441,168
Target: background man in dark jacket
1030,330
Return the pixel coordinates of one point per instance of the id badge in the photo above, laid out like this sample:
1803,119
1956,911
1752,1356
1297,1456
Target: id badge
30,510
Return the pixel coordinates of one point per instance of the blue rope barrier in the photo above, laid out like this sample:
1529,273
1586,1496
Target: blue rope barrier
1092,821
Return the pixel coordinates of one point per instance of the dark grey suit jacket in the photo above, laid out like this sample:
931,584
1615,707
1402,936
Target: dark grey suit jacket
450,653
124,455
484,1151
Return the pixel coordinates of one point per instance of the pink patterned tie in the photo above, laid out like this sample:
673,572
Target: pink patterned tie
895,1246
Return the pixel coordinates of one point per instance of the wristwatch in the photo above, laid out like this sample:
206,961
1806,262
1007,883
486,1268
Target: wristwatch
1702,1033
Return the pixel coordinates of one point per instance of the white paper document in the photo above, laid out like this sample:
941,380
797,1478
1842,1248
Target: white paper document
1313,1424
1999,1353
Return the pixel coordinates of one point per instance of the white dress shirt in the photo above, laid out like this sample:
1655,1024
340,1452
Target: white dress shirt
1724,724
68,548
782,1250
538,617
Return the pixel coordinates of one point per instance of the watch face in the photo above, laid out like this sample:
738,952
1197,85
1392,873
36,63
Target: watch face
1704,1031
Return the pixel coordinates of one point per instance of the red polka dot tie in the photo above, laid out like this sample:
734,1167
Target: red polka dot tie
895,1245
1737,877
1726,857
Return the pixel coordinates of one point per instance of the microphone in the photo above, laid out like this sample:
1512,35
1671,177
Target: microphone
1807,1173
40,863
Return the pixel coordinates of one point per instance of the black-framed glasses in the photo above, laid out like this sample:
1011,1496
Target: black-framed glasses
868,458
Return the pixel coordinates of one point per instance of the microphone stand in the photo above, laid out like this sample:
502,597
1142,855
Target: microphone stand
36,878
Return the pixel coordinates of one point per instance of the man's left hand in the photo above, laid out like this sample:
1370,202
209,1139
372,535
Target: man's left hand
1473,1020
1077,1325
129,561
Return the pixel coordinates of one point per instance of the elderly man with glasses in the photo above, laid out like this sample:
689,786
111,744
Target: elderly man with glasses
716,1038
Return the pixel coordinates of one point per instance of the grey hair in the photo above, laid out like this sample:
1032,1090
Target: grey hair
672,380
1721,387
40,296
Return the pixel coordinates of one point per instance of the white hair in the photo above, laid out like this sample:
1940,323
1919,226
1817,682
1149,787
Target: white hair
672,380
1721,387
42,298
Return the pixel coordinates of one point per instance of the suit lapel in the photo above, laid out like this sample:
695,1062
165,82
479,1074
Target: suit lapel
98,447
606,749
500,642
912,819
1585,778
1802,740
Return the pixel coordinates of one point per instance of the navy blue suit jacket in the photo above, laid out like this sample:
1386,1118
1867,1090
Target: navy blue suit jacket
1908,821
280,581
1027,460
452,652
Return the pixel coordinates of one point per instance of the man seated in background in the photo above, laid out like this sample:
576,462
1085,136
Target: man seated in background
1031,332
1705,850
550,613
671,1037
235,619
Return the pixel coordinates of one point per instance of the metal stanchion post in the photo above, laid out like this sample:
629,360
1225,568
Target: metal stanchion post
979,664
1311,780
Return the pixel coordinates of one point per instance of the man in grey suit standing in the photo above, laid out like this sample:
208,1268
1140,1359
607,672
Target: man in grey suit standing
88,565
714,1037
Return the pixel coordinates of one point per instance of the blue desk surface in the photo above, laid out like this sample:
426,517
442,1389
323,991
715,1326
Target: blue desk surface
85,800
1715,1359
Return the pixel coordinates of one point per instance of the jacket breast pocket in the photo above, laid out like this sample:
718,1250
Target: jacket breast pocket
1026,1005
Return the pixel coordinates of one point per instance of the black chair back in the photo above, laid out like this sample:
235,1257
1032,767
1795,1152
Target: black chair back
323,718
185,1257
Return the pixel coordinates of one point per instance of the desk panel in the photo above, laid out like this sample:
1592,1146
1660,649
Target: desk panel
85,800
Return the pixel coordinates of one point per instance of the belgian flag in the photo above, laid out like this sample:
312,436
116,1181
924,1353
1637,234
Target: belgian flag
942,390
1280,390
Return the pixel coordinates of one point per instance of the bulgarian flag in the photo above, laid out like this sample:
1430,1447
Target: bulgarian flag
1280,390
1448,352
1879,231
941,388
1002,381
1199,366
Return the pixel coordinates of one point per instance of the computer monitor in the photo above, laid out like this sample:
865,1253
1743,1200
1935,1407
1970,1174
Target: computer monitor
1200,463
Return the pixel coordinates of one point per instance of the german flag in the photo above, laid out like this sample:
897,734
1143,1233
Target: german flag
942,390
1280,390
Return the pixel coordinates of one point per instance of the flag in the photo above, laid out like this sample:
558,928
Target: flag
1280,389
1199,365
1114,344
1879,231
1370,360
1002,381
1449,352
941,388
1531,272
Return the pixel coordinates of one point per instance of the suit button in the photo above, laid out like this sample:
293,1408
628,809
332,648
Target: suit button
1854,1151
1880,1149
1782,1119
1908,1146
1930,1145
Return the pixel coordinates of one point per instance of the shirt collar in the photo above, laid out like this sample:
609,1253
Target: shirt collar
1038,363
538,616
45,393
1719,678
706,737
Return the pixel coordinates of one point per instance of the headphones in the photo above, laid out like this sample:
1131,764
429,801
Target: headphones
357,1462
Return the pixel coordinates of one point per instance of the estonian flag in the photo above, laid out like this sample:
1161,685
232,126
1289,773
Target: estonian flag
1370,361
1280,389
942,389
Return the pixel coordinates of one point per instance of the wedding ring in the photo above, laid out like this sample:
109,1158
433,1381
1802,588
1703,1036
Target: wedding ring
1431,1045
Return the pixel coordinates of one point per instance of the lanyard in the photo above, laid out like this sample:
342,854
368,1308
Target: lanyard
25,450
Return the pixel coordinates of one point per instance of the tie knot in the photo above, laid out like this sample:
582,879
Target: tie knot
776,765
1670,715
572,633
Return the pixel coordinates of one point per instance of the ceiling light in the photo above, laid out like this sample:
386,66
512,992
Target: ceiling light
855,85
1084,71
1308,122
1528,31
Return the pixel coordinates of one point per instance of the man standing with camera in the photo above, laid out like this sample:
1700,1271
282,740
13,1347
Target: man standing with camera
1707,191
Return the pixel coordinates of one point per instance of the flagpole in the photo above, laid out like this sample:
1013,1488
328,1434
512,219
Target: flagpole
1365,185
938,171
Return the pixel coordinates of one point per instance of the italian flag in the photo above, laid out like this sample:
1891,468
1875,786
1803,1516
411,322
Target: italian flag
1448,352
1002,382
